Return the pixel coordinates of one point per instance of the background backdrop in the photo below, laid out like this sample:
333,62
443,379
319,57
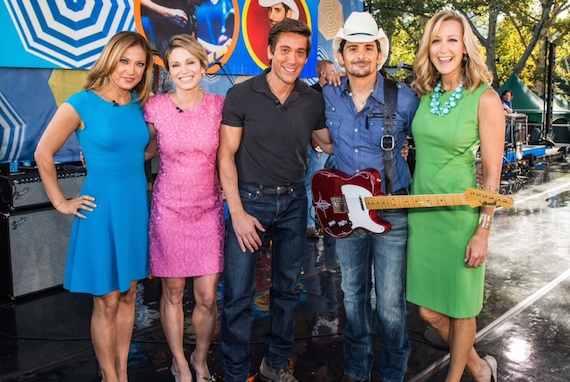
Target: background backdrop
47,47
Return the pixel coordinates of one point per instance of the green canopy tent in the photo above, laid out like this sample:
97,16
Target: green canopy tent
525,101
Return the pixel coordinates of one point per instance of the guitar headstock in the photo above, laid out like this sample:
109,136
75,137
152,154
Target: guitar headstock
480,198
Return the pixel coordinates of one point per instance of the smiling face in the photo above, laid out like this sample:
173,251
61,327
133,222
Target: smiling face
185,69
507,97
360,59
130,69
289,58
447,49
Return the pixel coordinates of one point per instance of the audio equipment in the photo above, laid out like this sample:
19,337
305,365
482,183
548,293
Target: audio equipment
33,251
26,189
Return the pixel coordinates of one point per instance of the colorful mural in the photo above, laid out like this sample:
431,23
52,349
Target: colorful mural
46,43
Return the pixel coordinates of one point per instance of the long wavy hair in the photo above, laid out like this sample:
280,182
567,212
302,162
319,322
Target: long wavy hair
99,76
475,69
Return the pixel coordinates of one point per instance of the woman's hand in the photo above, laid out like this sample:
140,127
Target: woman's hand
477,249
73,206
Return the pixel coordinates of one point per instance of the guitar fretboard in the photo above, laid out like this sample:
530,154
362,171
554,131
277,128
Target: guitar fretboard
413,201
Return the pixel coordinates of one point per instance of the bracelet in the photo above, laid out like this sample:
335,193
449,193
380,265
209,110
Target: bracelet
485,221
58,204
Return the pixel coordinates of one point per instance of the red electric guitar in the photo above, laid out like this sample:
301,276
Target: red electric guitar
344,203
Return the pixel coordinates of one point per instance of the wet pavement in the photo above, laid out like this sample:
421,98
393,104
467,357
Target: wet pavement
525,322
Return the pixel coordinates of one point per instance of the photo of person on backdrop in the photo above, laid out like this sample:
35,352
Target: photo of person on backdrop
161,19
260,17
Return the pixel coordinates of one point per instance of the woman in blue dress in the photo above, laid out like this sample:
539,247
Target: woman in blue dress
108,245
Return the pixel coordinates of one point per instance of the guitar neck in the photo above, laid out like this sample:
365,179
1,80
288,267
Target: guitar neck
413,201
213,56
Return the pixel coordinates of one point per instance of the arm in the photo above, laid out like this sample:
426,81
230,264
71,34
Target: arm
175,16
491,133
152,148
323,139
213,47
243,223
62,125
507,109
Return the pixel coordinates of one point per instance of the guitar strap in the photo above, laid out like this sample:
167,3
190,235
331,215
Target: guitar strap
388,141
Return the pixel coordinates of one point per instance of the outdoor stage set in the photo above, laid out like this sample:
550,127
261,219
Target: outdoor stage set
47,47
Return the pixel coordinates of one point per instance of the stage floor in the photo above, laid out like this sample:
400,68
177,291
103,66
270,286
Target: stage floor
525,322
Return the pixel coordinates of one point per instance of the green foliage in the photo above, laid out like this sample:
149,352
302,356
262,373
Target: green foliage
518,24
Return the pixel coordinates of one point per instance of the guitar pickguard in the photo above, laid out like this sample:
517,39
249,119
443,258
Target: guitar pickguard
339,202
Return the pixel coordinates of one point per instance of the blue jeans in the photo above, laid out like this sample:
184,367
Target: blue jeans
316,162
284,214
358,253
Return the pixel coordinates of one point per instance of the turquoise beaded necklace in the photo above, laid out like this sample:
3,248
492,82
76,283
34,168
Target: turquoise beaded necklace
438,110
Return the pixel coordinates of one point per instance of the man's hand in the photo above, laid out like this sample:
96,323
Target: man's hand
405,150
245,227
336,79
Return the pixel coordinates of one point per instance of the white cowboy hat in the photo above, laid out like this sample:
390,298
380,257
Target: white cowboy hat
361,27
290,3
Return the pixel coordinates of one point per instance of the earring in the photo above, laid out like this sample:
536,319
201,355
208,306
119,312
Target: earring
465,57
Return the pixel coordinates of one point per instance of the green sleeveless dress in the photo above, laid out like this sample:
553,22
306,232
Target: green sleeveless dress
446,146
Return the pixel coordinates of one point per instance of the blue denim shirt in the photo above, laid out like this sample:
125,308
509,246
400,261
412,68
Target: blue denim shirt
357,136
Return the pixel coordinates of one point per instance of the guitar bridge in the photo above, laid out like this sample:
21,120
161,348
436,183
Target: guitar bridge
339,205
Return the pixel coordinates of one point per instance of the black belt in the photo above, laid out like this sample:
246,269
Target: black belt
402,191
274,189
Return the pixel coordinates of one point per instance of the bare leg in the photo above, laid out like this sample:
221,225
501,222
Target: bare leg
125,323
460,335
104,333
204,318
172,319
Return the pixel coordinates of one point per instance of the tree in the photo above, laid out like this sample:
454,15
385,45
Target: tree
533,23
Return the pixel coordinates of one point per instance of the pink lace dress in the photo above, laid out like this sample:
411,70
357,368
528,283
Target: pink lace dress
186,217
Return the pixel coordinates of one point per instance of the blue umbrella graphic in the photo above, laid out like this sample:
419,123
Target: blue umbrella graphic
69,33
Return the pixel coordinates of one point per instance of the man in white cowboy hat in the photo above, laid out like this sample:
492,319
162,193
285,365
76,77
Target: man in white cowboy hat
362,139
278,10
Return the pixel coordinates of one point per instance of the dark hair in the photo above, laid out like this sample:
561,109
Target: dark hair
505,92
343,43
289,26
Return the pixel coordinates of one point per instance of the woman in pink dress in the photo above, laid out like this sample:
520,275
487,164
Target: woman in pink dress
186,219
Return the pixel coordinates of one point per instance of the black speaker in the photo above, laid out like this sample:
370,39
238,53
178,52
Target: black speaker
33,250
25,190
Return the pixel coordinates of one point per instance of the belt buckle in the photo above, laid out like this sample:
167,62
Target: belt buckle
387,142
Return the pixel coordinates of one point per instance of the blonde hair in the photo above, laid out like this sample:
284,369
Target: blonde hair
475,70
99,76
189,43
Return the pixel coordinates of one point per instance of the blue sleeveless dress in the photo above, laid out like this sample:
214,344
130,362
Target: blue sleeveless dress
109,249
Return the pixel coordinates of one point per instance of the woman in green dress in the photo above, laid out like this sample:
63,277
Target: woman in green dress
447,249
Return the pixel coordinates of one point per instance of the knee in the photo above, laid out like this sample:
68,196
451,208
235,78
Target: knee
173,295
207,301
107,307
432,318
129,297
